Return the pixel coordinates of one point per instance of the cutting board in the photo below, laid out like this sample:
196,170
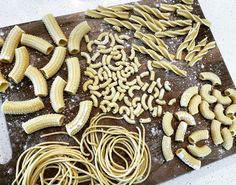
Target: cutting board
161,171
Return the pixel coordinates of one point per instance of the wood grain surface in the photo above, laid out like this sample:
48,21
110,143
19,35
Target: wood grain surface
161,171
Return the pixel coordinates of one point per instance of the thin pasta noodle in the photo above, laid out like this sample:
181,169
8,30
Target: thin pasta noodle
105,13
126,24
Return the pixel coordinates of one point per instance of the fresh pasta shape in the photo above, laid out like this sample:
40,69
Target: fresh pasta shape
73,75
145,120
22,107
86,56
105,13
220,116
81,118
4,84
232,128
216,132
232,94
187,95
187,1
36,43
205,91
43,121
174,7
189,160
21,64
194,104
173,33
38,80
171,67
55,63
180,131
198,135
197,151
205,110
166,124
186,117
230,111
1,42
166,148
122,7
10,44
175,23
54,30
227,138
76,36
210,76
224,100
126,24
56,94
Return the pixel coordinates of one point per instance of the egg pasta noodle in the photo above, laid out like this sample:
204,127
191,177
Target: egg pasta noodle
174,7
103,14
126,24
173,33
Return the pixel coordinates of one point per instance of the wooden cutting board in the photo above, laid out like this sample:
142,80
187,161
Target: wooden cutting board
161,171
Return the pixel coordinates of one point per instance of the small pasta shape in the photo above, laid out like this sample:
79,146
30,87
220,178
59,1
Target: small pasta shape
126,24
131,89
216,132
224,100
124,110
128,119
220,116
197,151
42,122
150,100
145,120
161,94
172,101
86,38
227,138
210,76
180,131
198,135
232,94
230,111
4,84
232,128
76,36
176,23
173,33
86,56
166,148
174,7
205,110
186,117
104,13
117,8
205,91
1,42
194,104
167,124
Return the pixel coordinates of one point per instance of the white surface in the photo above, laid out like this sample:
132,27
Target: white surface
221,13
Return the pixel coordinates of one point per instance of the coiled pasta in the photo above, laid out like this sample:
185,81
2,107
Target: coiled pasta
105,13
174,7
176,23
173,33
126,24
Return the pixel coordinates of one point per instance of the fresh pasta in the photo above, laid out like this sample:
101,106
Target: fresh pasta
166,148
205,110
174,7
205,92
180,131
173,33
186,117
166,124
105,13
126,24
216,132
198,135
4,84
199,151
224,100
220,115
210,76
227,138
193,106
187,96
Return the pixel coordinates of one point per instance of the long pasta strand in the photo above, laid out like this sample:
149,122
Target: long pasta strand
120,23
173,33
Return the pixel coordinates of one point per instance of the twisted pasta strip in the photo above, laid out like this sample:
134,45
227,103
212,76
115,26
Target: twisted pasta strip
123,7
126,24
173,33
174,7
187,1
103,14
176,23
194,17
168,66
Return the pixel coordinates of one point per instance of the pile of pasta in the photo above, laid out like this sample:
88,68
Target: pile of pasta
222,117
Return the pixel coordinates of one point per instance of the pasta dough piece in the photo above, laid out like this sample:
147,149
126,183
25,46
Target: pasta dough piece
166,148
216,132
198,135
180,131
4,84
220,116
43,121
105,13
212,77
122,7
187,1
197,151
194,104
1,42
173,33
174,7
232,94
54,30
205,91
230,111
73,75
187,96
76,36
126,24
37,43
224,100
232,128
175,23
21,64
22,107
205,110
227,138
10,44
56,94
166,124
186,117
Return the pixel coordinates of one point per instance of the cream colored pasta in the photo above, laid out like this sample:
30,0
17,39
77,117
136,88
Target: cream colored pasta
86,56
4,84
227,138
115,98
145,86
186,117
114,107
180,131
232,128
94,57
76,36
128,119
55,63
224,100
205,110
86,84
117,8
135,101
173,33
126,24
86,38
138,109
187,1
112,94
210,76
42,122
166,148
187,95
104,13
194,104
220,116
143,101
56,94
116,28
124,110
205,93
151,87
198,135
172,101
156,92
131,89
1,42
161,94
167,124
216,132
150,102
199,151
232,94
230,111
174,7
145,120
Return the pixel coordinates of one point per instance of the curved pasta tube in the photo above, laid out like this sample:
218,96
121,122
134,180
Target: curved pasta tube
187,96
186,117
56,94
10,44
220,116
111,96
172,101
115,107
205,93
215,132
4,84
161,94
230,111
126,24
124,110
76,36
22,107
174,7
132,88
224,100
85,108
135,101
189,160
180,131
205,110
166,148
55,63
38,80
54,30
232,94
95,100
138,109
198,135
37,43
210,76
150,100
166,124
143,101
73,75
128,119
227,138
145,120
197,151
86,84
194,104
43,121
21,64
86,56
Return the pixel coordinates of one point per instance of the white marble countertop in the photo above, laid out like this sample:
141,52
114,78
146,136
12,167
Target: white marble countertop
221,13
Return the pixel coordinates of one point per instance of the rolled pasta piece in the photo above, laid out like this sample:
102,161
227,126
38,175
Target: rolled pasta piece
56,94
43,121
197,151
85,108
166,148
1,42
205,110
76,36
186,117
194,104
73,75
37,43
227,138
198,135
230,111
224,100
126,24
187,95
166,124
173,33
189,160
174,7
220,116
54,30
4,84
187,1
21,64
210,76
22,107
232,94
180,131
232,128
105,13
216,132
38,80
55,63
10,44
205,91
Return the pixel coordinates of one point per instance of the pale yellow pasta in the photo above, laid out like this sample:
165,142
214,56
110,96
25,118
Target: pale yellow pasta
174,7
143,101
156,92
161,94
180,131
139,81
138,109
56,94
167,124
96,93
232,128
86,56
42,122
160,102
232,94
224,100
210,76
230,111
105,13
186,117
227,138
85,108
190,2
22,107
115,98
114,107
89,46
198,135
117,8
199,151
112,94
102,42
205,91
10,44
172,101
126,24
176,23
124,110
4,84
187,96
132,88
86,38
1,42
55,63
205,110
173,33
150,102
76,36
216,132
21,64
166,148
145,120
116,28
194,104
145,86
220,116
151,87
54,30
159,85
36,43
